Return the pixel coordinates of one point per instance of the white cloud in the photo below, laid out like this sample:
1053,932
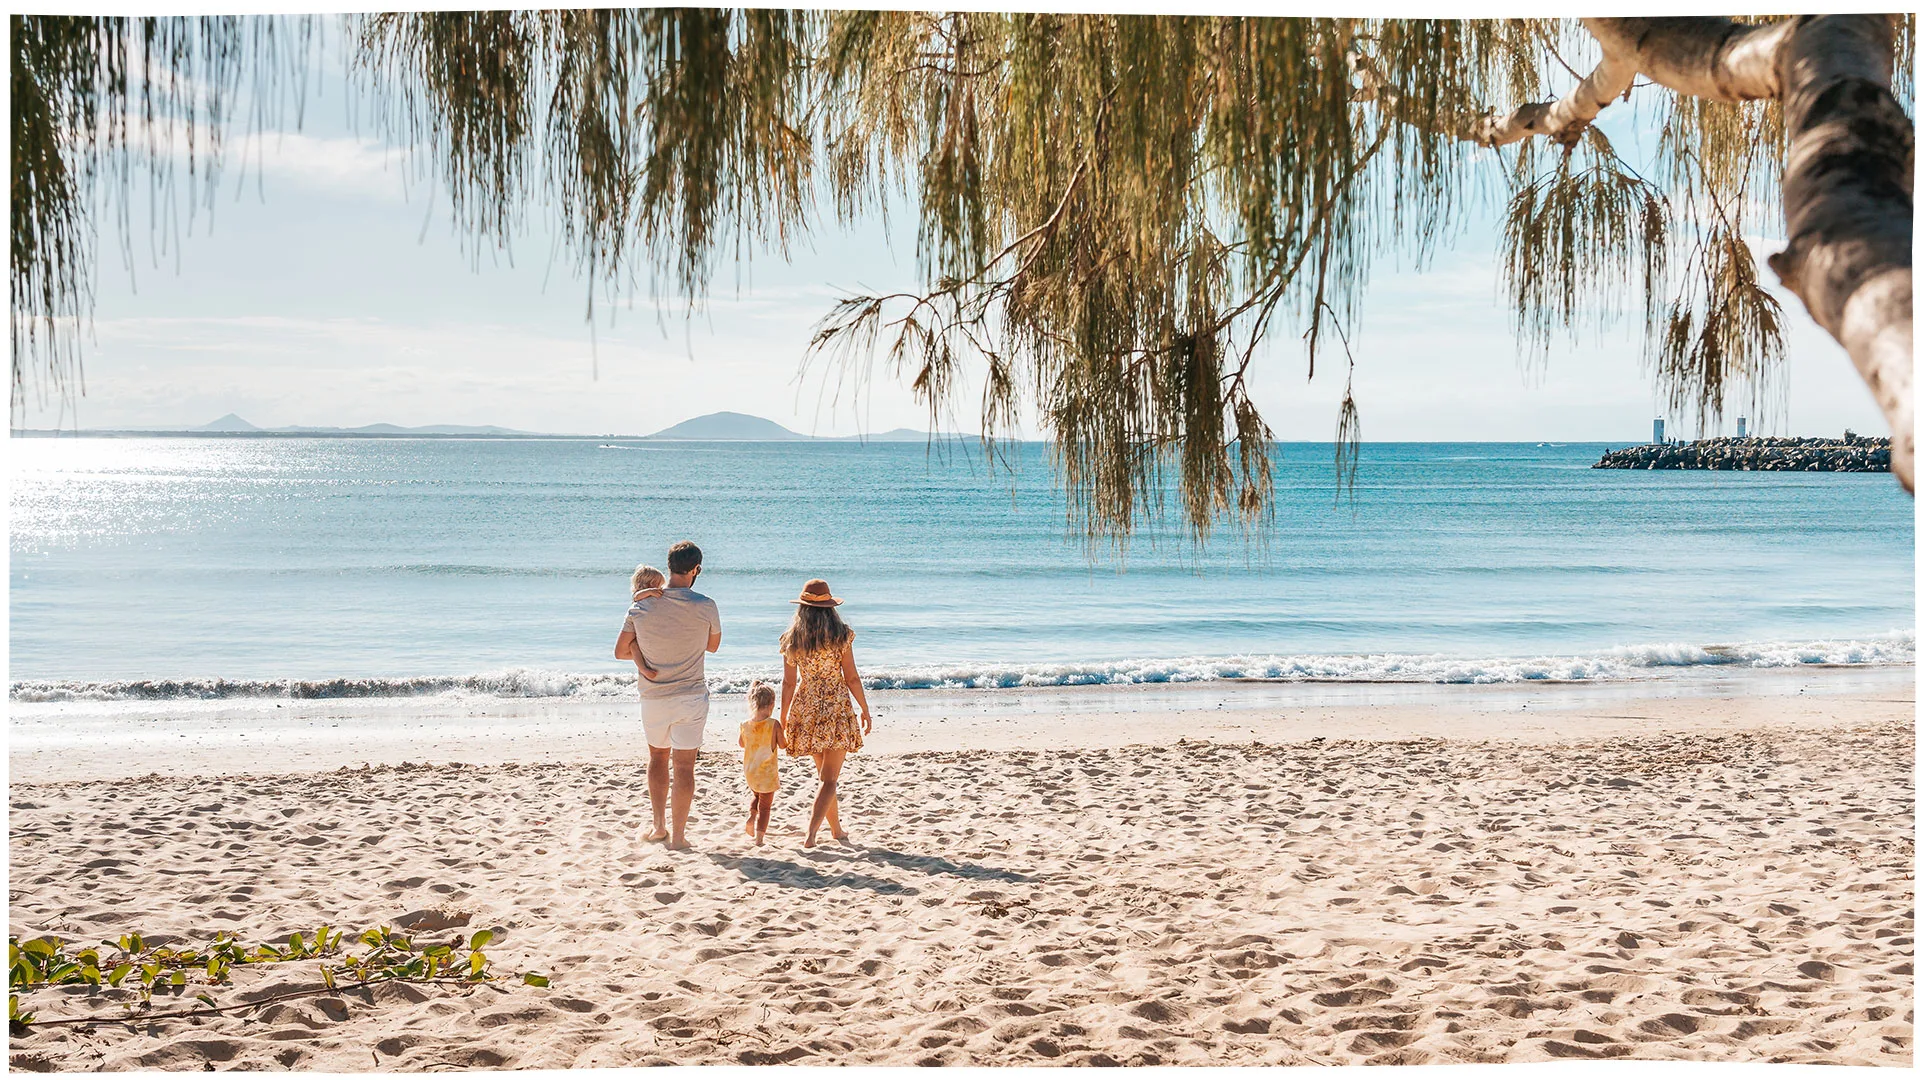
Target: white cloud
334,166
338,165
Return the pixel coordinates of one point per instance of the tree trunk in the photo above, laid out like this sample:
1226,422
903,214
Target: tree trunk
1848,184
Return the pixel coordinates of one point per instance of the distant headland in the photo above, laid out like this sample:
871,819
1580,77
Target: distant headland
713,427
1850,453
232,424
739,427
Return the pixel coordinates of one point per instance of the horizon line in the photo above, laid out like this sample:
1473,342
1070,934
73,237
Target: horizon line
349,433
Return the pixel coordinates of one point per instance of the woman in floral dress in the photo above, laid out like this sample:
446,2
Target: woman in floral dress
816,715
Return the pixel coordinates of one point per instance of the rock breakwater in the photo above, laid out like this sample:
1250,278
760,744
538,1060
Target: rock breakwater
1851,453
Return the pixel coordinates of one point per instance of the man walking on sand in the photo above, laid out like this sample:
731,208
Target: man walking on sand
674,631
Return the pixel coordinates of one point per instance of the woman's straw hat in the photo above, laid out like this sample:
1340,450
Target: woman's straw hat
816,594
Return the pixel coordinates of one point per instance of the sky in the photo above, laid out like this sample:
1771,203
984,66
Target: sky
327,289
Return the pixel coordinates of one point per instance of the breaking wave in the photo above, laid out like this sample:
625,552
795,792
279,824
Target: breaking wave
1627,662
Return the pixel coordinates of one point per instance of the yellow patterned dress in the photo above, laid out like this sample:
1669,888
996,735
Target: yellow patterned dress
760,756
821,717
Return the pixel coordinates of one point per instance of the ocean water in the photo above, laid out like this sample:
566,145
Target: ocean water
185,567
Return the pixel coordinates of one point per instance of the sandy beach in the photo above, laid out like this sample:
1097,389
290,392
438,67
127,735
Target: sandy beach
1706,869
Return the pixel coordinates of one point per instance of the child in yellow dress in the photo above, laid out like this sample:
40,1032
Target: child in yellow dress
759,738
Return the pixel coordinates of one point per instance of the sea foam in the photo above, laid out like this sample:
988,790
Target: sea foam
1628,662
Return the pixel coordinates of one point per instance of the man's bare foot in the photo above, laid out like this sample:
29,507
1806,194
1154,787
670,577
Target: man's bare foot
655,836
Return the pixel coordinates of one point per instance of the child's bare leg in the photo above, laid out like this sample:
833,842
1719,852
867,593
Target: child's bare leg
760,819
753,809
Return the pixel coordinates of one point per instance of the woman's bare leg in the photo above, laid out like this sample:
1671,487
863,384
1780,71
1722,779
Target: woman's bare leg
827,798
834,827
833,808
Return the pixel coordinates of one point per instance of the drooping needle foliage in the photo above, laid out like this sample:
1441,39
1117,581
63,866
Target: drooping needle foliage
1117,215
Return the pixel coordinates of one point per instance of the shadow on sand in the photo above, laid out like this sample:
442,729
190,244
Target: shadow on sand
934,864
795,876
799,876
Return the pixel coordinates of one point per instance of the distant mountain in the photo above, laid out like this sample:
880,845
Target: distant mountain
233,423
730,427
739,427
229,422
900,434
469,429
713,427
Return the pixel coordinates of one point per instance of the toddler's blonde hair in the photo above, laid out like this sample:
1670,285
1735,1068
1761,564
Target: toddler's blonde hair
760,696
647,577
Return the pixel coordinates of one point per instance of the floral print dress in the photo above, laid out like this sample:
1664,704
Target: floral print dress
821,717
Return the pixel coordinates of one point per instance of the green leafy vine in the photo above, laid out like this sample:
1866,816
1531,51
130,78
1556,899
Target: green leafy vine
387,956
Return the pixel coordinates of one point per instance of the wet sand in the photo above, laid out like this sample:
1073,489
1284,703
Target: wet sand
81,740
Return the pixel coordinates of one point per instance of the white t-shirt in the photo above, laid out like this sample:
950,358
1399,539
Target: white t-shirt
672,630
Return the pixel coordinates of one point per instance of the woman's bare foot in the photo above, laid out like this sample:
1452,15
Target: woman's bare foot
655,836
680,846
808,842
840,836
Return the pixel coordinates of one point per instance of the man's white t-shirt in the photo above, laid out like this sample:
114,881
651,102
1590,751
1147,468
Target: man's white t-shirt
672,631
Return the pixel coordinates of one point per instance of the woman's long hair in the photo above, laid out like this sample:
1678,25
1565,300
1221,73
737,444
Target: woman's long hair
814,628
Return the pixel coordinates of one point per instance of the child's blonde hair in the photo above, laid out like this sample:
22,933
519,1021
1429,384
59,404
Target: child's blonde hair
760,696
647,577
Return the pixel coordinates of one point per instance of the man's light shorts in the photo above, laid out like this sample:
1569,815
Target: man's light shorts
679,722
